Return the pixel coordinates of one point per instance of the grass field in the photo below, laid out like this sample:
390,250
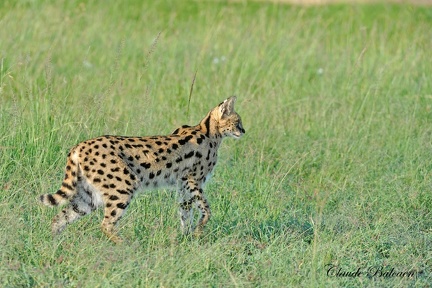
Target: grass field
334,169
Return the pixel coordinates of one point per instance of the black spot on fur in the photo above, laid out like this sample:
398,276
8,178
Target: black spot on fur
67,186
189,155
51,199
122,191
122,205
88,192
207,126
76,209
145,165
62,194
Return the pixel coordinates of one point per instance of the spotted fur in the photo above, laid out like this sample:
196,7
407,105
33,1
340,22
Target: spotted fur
108,170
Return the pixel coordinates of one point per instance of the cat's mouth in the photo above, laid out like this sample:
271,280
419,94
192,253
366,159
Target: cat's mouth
238,134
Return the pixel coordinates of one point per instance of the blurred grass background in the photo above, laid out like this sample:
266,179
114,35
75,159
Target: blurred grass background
334,169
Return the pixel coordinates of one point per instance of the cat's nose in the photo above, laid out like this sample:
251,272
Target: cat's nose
240,127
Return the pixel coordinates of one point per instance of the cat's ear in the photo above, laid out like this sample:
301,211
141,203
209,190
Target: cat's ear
227,107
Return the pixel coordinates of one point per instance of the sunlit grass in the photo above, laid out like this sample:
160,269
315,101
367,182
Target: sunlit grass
334,167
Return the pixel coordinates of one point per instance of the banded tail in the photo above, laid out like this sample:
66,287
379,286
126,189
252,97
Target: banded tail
68,187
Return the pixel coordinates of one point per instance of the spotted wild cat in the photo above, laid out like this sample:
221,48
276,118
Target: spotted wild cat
108,170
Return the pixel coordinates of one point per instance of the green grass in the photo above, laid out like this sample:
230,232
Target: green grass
335,167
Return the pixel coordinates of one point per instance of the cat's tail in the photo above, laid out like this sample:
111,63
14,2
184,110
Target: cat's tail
68,188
